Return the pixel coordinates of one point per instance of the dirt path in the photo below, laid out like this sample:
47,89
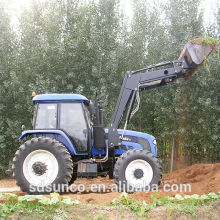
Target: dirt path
204,178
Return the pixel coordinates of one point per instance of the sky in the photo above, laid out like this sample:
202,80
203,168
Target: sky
126,5
208,5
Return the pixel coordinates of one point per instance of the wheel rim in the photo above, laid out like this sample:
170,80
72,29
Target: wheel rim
40,168
139,173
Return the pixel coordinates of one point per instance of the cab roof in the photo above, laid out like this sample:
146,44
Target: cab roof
60,98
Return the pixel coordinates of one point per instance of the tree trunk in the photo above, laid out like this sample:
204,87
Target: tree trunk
174,156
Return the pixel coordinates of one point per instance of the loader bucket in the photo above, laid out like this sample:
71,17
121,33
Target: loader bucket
195,53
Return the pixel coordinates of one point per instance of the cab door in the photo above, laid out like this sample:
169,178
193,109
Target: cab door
72,120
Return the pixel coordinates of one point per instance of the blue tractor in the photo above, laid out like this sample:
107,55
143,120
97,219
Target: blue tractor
69,141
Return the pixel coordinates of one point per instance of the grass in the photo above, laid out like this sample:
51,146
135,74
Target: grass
174,205
207,41
25,209
124,207
210,40
13,209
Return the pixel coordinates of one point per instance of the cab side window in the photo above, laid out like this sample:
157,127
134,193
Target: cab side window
72,121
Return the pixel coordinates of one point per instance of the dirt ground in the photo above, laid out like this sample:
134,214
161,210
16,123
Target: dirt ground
204,178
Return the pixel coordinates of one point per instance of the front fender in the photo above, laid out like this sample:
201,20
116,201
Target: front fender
139,140
54,134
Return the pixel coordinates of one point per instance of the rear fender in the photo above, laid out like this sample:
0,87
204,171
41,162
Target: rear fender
54,134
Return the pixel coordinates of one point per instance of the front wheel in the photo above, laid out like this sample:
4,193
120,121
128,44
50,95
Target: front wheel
42,165
137,170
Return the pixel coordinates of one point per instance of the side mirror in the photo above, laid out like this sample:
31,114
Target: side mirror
23,128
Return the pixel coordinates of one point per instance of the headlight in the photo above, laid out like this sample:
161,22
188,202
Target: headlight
154,142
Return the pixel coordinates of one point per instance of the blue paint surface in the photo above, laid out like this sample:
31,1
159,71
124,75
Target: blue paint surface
64,139
60,98
54,134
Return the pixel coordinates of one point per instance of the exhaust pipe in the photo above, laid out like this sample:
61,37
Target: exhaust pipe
194,54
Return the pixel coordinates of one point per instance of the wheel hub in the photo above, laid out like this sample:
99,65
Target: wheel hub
138,173
39,168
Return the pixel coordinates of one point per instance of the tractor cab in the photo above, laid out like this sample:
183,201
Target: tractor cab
66,112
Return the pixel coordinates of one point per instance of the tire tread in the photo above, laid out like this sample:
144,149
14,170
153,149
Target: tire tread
53,144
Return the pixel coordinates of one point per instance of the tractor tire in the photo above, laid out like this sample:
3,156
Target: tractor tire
74,176
137,170
42,165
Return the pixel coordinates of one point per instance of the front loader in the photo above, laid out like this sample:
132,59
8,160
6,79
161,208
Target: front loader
69,140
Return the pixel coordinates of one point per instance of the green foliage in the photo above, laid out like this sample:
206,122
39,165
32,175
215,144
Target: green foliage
209,40
188,202
33,203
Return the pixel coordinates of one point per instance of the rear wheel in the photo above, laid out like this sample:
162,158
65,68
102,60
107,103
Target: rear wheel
137,170
74,176
42,165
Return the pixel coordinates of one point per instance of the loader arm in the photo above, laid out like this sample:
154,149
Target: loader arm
151,77
134,82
